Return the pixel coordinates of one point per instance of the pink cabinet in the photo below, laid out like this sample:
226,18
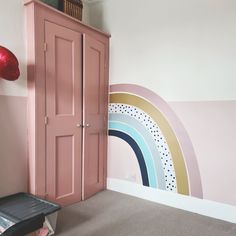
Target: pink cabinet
67,105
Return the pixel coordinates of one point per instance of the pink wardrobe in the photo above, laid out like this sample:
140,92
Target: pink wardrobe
67,105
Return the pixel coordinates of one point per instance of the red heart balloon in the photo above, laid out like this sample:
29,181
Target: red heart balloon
9,65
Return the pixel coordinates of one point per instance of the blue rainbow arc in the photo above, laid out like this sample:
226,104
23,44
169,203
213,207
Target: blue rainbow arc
143,139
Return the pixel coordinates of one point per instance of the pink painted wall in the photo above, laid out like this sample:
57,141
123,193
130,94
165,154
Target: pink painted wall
13,103
13,145
208,127
212,130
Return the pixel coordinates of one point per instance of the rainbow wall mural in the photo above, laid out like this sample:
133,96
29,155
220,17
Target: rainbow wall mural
161,145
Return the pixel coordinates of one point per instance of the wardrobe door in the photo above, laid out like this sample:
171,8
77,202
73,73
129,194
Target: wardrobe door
94,116
64,114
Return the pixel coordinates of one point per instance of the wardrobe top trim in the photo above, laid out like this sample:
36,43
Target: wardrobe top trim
27,2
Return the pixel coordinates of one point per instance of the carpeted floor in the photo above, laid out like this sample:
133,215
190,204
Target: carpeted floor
113,214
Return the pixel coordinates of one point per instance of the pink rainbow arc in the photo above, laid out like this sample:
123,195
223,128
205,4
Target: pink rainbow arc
178,128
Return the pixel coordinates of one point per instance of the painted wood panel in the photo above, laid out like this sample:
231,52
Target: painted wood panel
64,112
94,116
53,94
64,69
64,165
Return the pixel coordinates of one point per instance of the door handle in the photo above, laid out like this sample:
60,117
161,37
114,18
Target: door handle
84,126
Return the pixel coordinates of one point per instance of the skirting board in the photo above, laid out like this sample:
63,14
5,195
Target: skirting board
200,206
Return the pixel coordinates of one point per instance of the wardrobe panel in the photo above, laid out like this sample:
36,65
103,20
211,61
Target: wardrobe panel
93,165
64,114
64,165
64,54
94,115
92,86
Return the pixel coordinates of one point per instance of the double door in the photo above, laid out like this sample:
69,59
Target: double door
75,114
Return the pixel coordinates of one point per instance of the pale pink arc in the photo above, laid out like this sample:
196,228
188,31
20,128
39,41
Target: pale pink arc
178,128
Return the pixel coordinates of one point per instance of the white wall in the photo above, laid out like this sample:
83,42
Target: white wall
85,17
12,37
184,50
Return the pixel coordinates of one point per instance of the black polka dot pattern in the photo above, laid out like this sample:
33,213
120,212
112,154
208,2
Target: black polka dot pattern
159,139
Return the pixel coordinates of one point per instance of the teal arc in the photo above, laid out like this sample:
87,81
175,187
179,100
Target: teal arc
119,126
144,134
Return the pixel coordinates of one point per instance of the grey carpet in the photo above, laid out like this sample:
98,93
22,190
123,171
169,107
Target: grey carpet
113,214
